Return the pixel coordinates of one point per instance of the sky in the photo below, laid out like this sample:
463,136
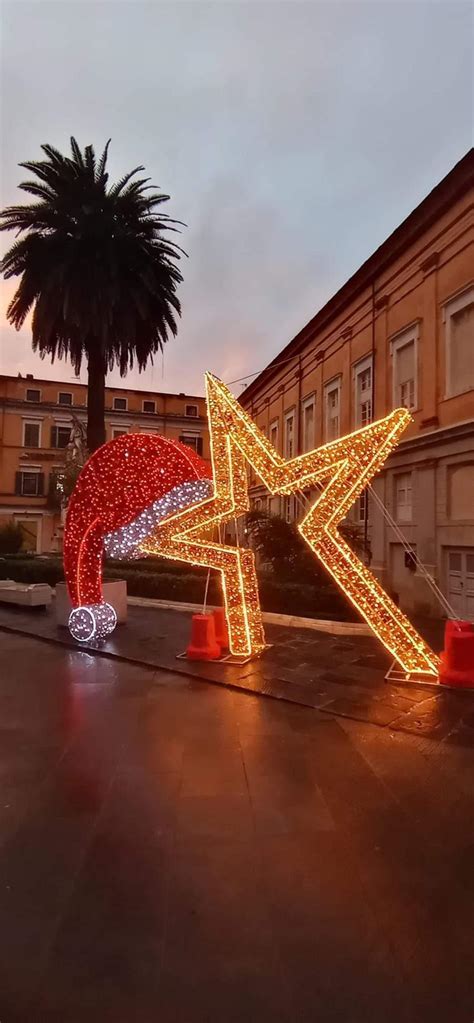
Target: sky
292,138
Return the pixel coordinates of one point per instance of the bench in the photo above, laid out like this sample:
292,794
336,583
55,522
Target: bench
32,595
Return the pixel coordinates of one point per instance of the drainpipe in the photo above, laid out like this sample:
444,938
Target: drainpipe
372,399
298,409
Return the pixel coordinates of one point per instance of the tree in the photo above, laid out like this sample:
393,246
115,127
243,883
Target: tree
280,545
95,269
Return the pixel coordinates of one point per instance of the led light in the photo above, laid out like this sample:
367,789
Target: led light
93,622
346,466
142,494
125,541
125,488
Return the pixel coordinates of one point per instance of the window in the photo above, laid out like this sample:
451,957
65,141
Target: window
332,394
288,509
149,406
274,506
404,376
192,441
290,434
120,404
60,436
192,410
308,423
32,394
362,507
29,482
118,432
31,435
403,497
459,333
274,434
65,398
363,392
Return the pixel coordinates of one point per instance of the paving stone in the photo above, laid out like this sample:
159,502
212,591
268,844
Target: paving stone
190,853
375,713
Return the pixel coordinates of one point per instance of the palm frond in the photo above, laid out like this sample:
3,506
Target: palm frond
76,152
103,160
117,188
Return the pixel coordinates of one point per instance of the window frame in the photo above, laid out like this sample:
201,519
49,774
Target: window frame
308,402
290,417
334,384
408,473
118,431
57,427
274,425
119,397
149,401
452,306
362,507
191,415
66,404
31,422
32,470
33,401
358,368
400,340
186,436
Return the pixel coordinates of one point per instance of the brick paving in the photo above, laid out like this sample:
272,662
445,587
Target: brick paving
181,852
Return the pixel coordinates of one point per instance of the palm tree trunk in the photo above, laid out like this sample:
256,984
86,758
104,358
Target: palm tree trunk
95,398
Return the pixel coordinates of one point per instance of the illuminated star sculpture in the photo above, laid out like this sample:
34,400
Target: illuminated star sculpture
343,468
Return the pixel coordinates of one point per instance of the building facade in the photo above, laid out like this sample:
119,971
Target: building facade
35,429
399,332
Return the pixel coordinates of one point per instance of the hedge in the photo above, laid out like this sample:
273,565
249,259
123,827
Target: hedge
290,598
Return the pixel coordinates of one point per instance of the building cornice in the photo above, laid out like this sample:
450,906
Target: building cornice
31,409
69,385
427,440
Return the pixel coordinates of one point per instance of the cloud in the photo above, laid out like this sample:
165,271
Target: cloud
292,137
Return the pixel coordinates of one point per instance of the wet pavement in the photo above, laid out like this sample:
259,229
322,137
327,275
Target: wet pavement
181,852
341,675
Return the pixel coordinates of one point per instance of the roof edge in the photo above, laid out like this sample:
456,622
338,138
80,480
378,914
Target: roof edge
455,184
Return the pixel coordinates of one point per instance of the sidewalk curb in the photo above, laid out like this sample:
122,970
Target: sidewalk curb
271,618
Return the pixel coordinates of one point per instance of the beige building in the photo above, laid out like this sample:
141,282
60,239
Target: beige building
35,429
399,332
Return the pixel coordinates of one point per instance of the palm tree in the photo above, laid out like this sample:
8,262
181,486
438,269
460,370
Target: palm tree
95,269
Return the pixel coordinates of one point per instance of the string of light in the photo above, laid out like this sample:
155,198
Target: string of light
344,466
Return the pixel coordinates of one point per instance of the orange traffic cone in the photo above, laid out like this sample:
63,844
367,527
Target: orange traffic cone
457,659
203,645
220,623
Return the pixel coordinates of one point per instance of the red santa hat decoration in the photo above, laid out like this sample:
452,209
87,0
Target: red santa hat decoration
125,489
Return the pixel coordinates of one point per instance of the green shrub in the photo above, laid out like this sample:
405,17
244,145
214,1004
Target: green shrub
11,538
292,598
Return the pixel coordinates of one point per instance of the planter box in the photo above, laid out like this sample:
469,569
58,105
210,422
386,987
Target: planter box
115,593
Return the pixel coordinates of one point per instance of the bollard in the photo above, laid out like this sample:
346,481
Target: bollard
203,645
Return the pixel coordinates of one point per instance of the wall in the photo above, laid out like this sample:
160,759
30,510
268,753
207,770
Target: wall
411,290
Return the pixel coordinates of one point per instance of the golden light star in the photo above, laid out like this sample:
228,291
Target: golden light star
345,466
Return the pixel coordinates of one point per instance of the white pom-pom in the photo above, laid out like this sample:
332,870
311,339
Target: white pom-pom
92,621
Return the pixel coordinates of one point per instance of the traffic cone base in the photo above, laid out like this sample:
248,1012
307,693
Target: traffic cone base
457,659
203,645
